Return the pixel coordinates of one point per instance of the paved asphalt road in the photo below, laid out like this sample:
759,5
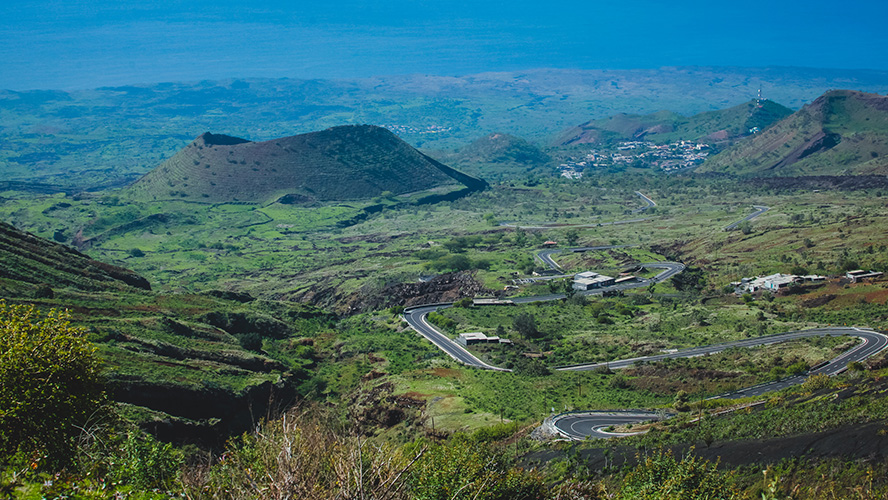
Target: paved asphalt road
759,209
592,424
417,317
545,256
650,203
872,342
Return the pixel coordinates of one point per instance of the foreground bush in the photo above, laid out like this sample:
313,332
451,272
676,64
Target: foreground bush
298,457
662,477
49,385
463,469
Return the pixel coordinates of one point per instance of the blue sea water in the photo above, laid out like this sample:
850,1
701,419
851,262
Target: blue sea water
86,44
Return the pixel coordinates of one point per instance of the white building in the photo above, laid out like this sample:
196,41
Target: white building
775,282
473,338
860,274
598,281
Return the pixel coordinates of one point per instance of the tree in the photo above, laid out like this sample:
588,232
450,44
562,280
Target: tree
525,325
49,383
691,280
572,235
520,237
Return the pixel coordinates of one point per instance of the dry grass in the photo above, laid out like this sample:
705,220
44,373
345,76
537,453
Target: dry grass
295,457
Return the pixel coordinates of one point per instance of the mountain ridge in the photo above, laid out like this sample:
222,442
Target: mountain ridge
665,126
840,132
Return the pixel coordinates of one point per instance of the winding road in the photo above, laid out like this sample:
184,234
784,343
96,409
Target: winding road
650,203
417,317
581,425
759,210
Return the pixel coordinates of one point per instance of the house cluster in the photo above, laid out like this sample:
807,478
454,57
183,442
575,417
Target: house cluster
407,129
677,155
667,157
774,282
473,338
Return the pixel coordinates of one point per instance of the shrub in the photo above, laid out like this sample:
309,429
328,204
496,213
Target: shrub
459,470
464,302
301,456
525,325
44,291
817,382
49,383
250,341
143,462
662,477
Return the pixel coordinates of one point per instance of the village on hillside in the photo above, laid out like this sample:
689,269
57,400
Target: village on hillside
670,157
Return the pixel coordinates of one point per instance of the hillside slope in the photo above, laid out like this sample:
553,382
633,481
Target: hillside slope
190,368
841,132
27,261
498,156
337,164
666,126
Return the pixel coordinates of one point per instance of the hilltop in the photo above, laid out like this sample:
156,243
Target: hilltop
665,126
500,155
337,164
840,132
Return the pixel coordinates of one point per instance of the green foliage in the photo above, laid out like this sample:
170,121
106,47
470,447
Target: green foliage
250,341
526,326
681,401
817,382
440,320
797,368
856,366
459,470
692,279
49,383
492,433
662,477
44,292
572,236
145,463
464,302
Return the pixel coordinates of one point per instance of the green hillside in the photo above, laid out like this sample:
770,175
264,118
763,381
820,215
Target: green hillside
841,132
29,264
666,126
498,156
188,367
337,164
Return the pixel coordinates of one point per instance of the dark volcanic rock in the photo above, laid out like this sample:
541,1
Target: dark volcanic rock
447,287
